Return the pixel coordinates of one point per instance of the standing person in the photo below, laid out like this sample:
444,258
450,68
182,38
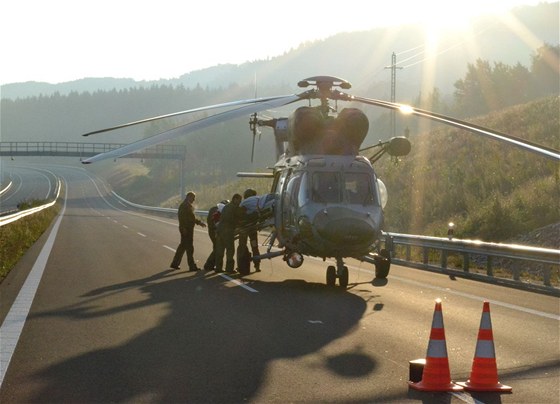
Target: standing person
251,234
212,221
187,220
226,234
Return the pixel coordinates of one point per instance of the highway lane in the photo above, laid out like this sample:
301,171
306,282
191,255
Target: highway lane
111,322
28,184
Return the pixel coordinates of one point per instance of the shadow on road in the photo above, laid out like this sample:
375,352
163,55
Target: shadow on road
214,345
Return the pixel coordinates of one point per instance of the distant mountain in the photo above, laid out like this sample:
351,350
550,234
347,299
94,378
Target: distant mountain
360,57
35,88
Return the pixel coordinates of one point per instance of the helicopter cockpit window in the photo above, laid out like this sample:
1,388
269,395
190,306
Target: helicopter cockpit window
357,187
326,187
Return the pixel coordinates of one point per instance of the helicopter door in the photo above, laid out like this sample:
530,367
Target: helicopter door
290,202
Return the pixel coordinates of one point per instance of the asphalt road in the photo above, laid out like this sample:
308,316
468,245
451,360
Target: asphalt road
110,322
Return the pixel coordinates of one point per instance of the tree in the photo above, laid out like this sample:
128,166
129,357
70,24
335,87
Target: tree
545,70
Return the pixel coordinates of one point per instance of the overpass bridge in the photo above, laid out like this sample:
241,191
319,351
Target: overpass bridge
85,150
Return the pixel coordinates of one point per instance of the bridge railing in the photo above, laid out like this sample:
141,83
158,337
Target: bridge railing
84,149
515,265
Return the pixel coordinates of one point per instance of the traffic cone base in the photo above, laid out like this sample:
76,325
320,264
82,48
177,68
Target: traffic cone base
435,387
484,374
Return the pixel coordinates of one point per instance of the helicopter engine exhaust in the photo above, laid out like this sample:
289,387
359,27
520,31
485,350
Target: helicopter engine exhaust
310,133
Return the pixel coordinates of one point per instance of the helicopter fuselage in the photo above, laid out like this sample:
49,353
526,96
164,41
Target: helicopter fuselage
327,205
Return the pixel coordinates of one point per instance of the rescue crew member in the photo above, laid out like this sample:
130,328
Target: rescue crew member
250,234
187,220
212,221
225,232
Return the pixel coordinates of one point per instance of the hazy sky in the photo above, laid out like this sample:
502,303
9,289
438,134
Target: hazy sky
64,40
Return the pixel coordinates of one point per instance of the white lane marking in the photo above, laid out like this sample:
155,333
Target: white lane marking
238,283
140,234
125,226
465,397
15,320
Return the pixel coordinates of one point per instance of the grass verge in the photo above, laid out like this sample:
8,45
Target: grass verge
18,236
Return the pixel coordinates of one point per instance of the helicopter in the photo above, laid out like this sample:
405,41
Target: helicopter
327,200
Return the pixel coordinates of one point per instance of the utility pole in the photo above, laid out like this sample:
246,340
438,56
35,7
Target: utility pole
393,68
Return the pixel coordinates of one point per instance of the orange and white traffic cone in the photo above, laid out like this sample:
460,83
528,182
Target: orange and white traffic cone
484,373
436,376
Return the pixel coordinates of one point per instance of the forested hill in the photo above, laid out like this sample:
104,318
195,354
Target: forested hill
359,57
490,190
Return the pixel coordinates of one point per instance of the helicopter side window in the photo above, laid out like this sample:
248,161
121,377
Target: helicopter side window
326,187
290,199
279,182
303,187
358,188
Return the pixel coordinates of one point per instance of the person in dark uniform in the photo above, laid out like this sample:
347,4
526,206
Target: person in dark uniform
249,234
212,221
187,220
225,232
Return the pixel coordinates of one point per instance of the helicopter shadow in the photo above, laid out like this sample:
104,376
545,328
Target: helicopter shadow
213,345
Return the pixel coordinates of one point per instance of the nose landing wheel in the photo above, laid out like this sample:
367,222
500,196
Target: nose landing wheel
340,272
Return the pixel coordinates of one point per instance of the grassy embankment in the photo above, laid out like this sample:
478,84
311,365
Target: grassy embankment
18,236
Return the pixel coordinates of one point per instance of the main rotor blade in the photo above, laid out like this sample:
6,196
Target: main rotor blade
193,126
206,108
480,130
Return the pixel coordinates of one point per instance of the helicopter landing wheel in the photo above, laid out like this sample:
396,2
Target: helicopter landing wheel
331,276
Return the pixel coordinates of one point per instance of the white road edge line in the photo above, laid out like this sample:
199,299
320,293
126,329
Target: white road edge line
15,320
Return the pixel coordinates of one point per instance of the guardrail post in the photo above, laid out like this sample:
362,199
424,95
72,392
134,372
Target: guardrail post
466,262
546,275
408,252
389,246
425,251
443,259
489,270
516,271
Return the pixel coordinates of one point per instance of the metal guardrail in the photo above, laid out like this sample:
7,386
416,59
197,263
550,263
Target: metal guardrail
436,251
16,216
155,208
